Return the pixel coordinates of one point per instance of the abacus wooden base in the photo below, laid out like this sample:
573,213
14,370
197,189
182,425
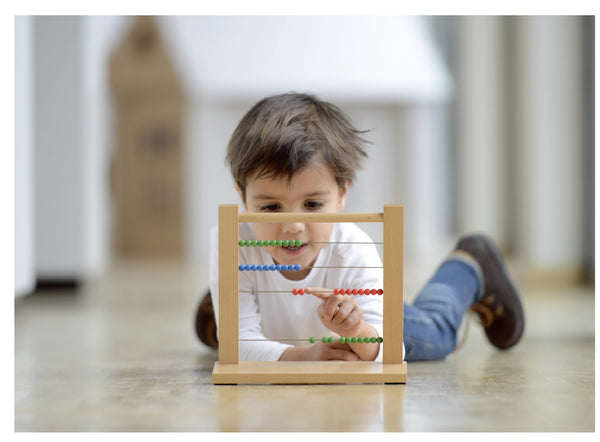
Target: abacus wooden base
329,372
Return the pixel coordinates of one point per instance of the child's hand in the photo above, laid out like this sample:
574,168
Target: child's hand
340,314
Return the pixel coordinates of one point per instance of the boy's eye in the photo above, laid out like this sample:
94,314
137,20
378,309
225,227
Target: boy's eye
269,207
313,205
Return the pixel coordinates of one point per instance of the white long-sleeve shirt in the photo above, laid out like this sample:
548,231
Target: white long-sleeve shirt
281,316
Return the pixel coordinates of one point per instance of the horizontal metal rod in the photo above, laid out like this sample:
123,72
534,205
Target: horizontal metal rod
293,217
342,267
344,242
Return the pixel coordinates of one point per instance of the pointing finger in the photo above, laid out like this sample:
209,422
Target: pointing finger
319,292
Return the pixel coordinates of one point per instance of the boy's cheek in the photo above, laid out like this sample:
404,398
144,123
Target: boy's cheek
260,232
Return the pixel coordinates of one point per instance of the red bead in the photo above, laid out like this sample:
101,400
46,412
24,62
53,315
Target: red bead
380,291
367,291
295,291
342,291
336,291
355,291
301,291
361,292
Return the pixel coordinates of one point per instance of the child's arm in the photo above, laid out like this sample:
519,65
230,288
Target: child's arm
343,315
320,352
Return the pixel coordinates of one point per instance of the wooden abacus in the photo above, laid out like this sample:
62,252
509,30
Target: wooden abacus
230,370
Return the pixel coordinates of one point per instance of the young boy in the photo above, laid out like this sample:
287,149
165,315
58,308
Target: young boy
296,153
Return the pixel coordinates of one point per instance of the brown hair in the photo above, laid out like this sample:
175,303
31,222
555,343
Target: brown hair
279,136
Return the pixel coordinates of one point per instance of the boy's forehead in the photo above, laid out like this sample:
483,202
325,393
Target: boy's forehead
315,180
266,196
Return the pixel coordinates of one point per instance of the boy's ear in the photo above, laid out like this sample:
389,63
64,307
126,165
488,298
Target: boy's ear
239,191
343,194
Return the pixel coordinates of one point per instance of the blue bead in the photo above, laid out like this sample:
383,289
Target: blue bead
259,267
284,267
253,267
241,267
297,267
247,267
278,267
272,267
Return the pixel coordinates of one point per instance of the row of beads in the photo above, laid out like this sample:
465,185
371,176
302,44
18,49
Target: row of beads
346,292
357,291
271,267
271,243
343,340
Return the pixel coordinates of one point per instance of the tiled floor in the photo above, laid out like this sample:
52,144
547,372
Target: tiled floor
121,355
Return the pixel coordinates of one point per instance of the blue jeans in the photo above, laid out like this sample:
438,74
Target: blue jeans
431,322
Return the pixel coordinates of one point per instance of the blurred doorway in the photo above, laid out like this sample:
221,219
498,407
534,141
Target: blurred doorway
147,168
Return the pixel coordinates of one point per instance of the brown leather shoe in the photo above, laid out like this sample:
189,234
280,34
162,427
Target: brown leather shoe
206,325
499,308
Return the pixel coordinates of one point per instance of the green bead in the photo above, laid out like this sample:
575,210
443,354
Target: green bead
380,339
253,243
279,243
354,339
241,243
342,340
331,340
324,340
286,243
361,339
373,340
273,242
312,339
259,243
298,242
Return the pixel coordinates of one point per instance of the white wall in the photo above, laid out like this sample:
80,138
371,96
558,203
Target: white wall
24,180
360,59
550,149
520,138
71,167
481,129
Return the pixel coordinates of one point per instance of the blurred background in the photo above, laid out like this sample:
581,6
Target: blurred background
477,124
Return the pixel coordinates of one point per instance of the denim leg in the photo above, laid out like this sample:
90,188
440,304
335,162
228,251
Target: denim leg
431,322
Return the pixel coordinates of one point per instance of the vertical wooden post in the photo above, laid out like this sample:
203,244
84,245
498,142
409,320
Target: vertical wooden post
229,293
393,283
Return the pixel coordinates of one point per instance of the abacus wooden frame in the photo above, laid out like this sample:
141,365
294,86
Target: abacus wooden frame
230,370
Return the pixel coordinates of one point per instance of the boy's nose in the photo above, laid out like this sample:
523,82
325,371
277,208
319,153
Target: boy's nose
293,228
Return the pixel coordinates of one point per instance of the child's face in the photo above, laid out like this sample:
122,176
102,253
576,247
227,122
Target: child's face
314,189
